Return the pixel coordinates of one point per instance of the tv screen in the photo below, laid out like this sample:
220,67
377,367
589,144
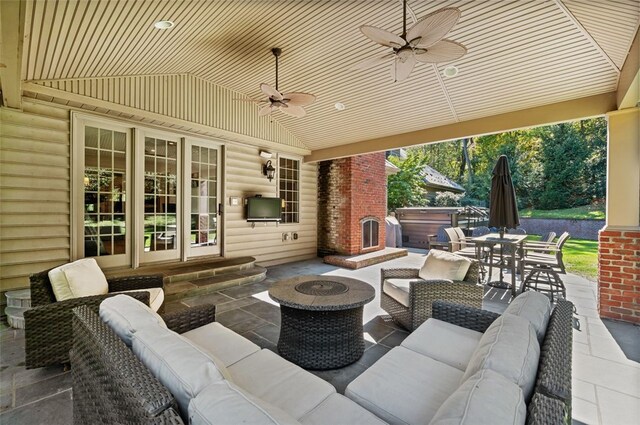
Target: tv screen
264,209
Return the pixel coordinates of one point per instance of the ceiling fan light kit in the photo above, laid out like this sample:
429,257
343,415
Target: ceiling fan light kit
423,42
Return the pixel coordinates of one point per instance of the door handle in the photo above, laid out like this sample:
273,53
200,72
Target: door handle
220,211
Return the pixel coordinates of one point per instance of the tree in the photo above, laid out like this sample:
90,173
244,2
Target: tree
405,188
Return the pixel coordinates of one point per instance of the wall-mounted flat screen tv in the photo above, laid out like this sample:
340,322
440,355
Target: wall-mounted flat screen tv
264,209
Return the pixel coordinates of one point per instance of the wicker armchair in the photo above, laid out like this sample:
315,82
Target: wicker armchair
48,333
422,293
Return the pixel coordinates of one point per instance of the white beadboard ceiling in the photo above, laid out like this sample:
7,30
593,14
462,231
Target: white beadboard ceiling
521,54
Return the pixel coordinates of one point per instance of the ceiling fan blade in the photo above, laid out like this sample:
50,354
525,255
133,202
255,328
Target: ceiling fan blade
294,111
299,99
371,62
400,70
265,110
433,27
442,52
384,37
270,91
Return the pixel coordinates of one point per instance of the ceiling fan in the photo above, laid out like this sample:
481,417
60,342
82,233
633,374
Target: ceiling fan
424,42
289,103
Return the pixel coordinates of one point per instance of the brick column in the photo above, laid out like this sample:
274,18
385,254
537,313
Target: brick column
619,247
619,275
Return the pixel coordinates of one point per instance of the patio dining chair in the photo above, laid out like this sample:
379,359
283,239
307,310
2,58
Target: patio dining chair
543,264
48,331
463,246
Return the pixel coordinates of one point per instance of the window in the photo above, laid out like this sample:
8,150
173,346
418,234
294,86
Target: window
289,178
369,233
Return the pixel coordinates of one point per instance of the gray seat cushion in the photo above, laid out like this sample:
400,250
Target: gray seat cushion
404,387
225,403
223,343
487,398
510,347
281,383
442,341
338,409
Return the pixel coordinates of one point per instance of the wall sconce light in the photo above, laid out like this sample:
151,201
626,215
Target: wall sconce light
268,170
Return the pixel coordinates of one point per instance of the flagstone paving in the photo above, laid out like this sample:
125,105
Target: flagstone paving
606,354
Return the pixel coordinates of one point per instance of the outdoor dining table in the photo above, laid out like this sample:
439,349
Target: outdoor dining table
493,241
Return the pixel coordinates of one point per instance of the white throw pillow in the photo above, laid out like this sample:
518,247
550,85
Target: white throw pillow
444,265
535,307
82,278
510,347
178,364
225,403
125,316
487,398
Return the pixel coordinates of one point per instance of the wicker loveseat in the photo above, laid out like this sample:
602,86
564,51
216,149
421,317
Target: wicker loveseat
48,332
435,375
422,294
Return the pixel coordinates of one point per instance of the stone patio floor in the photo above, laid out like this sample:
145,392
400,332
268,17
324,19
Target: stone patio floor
606,354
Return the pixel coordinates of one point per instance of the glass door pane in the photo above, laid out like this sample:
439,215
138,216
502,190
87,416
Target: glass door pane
105,195
203,200
159,233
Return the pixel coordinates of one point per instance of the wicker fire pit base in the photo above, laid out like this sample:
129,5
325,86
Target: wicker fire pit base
321,320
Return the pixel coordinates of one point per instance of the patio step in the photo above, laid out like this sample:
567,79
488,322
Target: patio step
178,290
190,270
17,303
364,260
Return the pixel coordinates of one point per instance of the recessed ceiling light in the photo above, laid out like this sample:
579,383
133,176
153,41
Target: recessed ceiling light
163,25
340,106
450,71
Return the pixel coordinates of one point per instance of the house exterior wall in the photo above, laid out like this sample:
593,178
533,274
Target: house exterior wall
35,211
350,190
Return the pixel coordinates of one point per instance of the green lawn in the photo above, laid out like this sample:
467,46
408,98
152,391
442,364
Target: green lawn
595,211
580,256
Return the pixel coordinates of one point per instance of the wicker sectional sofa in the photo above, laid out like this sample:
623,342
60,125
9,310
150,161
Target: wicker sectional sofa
112,385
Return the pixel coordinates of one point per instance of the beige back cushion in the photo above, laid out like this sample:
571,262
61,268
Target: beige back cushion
82,278
510,347
444,265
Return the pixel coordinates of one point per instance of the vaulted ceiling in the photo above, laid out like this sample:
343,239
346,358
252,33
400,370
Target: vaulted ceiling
521,54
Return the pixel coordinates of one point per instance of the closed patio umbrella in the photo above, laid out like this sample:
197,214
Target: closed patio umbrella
503,208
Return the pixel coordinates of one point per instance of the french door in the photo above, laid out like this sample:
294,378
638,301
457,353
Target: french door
143,196
159,235
202,198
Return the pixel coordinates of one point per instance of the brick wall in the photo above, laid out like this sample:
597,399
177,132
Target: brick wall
619,275
350,189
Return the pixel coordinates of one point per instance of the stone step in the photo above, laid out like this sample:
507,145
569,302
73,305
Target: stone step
190,270
19,298
365,260
15,316
184,289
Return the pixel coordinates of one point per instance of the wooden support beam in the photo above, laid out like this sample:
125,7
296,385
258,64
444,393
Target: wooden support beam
542,115
628,94
12,13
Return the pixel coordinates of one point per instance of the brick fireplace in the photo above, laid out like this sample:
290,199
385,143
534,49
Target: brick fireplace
352,197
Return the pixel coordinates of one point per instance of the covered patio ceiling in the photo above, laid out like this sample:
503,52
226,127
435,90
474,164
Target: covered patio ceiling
521,55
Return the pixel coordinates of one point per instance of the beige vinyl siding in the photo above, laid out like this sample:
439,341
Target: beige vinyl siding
34,192
183,97
244,178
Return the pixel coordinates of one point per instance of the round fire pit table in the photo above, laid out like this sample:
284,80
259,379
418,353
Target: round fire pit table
321,320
